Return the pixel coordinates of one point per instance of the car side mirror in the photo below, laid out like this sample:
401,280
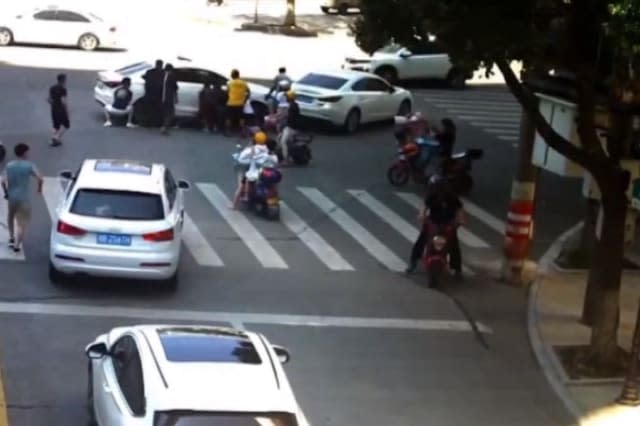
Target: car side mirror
184,185
97,351
405,54
392,89
283,355
66,174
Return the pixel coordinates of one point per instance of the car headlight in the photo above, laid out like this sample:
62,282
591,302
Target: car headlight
439,242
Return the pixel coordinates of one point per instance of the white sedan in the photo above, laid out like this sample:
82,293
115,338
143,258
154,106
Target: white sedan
191,77
118,218
56,26
177,375
350,98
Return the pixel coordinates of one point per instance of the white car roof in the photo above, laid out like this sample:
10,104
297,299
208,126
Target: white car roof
114,174
192,381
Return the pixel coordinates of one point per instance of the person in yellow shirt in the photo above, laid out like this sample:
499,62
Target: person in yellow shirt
238,93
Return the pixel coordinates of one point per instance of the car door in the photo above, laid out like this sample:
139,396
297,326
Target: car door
190,83
364,99
428,60
119,388
70,26
36,27
385,102
175,203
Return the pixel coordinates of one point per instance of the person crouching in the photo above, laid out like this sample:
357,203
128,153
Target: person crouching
121,106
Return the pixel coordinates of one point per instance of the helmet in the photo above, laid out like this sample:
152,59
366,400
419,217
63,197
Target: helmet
260,138
291,95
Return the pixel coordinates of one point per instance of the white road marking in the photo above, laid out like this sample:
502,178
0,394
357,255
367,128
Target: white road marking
483,216
325,252
404,228
261,249
52,192
5,252
497,106
509,138
202,252
164,315
466,237
486,114
497,131
500,118
370,243
494,124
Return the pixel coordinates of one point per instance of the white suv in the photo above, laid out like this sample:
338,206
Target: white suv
422,61
178,375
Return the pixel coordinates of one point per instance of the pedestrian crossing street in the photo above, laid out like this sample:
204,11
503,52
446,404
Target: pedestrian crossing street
334,214
495,112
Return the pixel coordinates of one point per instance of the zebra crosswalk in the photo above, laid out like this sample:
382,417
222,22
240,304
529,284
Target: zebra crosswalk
495,112
367,220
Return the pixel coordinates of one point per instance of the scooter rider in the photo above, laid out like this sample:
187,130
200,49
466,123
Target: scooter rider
256,154
292,126
442,207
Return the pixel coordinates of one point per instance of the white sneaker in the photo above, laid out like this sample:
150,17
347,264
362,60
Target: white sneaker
107,124
131,125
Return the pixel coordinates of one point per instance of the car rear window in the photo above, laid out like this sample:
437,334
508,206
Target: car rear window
322,80
125,205
208,346
194,418
134,68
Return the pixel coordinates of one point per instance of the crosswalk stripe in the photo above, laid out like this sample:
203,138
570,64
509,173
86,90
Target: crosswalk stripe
493,97
484,217
501,118
504,132
508,138
403,227
52,192
493,124
465,236
480,113
498,106
370,243
261,249
202,252
327,254
5,252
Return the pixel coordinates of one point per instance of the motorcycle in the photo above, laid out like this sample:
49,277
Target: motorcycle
408,163
261,190
436,254
459,170
299,144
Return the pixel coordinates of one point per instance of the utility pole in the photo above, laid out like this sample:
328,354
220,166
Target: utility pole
519,230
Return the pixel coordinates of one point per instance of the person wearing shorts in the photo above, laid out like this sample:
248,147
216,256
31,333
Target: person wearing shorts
59,109
16,183
238,93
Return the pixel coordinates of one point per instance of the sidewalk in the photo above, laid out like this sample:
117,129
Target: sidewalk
555,305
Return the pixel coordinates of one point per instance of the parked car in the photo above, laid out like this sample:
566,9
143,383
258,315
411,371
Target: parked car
421,61
341,7
118,218
56,26
348,98
177,375
191,77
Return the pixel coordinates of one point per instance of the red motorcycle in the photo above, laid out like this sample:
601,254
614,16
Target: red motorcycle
436,253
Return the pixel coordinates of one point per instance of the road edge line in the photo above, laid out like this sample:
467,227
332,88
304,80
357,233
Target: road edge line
540,350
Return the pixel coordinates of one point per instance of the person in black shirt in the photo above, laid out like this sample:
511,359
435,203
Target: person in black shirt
169,98
153,91
121,104
59,109
292,126
446,136
441,207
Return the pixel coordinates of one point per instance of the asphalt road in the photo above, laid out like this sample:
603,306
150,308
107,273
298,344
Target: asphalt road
370,346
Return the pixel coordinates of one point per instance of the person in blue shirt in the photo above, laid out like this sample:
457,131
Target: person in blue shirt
121,104
16,183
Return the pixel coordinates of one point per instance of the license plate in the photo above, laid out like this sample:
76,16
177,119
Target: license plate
272,201
114,239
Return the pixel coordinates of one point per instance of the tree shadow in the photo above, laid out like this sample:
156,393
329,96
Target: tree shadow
321,24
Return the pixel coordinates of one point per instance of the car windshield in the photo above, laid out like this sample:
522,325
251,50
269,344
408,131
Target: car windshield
134,68
194,418
96,17
124,205
323,80
391,48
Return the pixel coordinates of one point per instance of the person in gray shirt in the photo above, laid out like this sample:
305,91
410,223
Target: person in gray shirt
16,183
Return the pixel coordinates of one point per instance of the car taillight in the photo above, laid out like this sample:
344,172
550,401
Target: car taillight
66,229
330,99
113,29
166,235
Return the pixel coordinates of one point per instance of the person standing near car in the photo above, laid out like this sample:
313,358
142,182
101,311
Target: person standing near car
153,92
16,183
121,104
291,127
59,109
237,95
169,98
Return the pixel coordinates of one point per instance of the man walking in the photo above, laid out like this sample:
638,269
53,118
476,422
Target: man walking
16,183
238,93
59,109
169,98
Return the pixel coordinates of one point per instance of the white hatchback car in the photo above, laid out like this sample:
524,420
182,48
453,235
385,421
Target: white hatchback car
350,98
422,61
191,77
60,26
177,375
118,218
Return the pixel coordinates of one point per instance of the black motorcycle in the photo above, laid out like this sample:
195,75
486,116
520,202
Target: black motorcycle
299,149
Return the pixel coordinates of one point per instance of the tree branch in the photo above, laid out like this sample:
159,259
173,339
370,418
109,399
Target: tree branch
529,103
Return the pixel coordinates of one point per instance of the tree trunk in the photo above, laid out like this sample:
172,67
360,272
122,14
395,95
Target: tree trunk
606,274
290,17
586,250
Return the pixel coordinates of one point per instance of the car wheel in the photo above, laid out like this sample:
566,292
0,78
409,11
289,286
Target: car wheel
55,277
91,410
88,42
388,73
6,36
405,108
352,122
325,10
171,283
456,79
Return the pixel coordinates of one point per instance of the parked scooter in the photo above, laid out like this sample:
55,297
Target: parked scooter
299,149
436,253
261,194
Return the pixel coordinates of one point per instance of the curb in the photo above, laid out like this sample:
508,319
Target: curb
541,351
